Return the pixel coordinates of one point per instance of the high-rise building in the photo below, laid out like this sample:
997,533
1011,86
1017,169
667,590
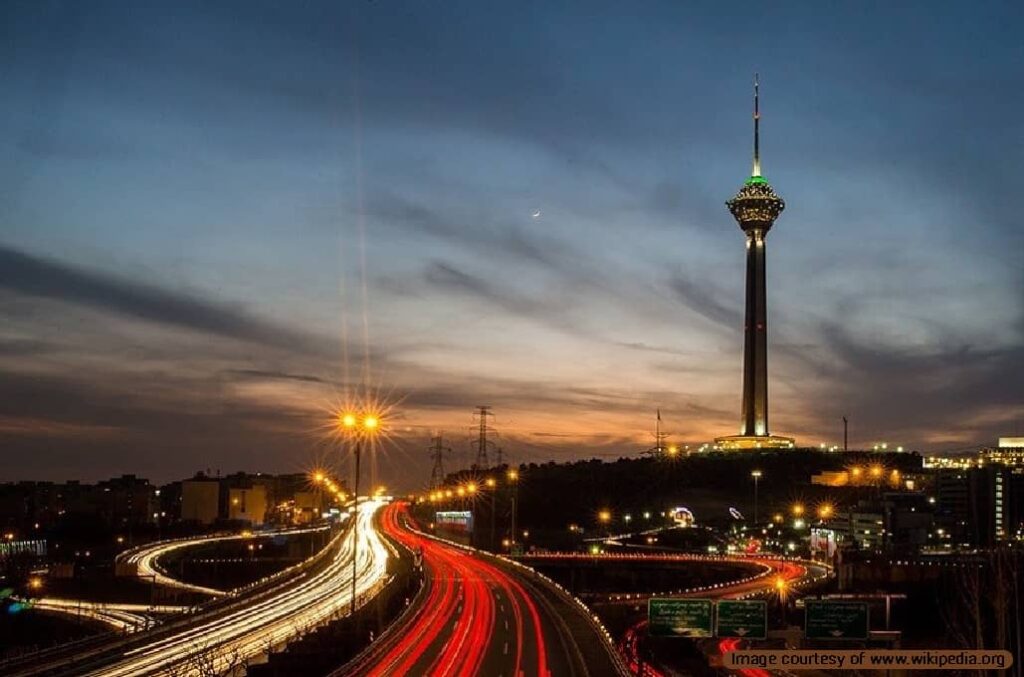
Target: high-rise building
974,506
755,208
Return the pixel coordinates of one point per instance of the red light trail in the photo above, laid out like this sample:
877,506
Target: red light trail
456,631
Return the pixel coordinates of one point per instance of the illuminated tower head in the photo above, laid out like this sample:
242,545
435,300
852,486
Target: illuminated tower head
756,205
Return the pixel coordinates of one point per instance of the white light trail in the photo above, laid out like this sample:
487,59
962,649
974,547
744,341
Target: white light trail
146,557
272,620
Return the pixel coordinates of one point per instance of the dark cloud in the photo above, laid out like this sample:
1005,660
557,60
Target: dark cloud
551,310
260,374
947,390
705,300
33,276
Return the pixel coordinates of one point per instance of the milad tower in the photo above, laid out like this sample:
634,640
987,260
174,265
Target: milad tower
755,208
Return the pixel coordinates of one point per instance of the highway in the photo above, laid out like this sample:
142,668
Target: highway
480,615
230,639
146,558
246,625
120,616
792,573
128,617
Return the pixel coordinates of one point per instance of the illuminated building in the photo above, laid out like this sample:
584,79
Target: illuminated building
755,208
974,506
248,504
1010,452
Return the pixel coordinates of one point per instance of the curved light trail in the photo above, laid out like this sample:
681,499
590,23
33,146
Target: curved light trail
793,573
117,618
126,617
476,617
146,557
247,630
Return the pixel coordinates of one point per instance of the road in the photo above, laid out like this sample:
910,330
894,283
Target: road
792,574
220,640
479,615
129,617
120,616
146,558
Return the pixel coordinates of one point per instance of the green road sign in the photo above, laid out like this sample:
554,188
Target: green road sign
831,619
737,618
679,617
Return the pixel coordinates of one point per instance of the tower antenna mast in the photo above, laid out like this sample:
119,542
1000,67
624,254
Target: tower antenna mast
757,129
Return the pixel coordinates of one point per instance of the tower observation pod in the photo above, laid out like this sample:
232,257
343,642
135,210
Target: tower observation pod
755,208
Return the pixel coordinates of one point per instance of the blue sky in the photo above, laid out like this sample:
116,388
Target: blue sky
206,209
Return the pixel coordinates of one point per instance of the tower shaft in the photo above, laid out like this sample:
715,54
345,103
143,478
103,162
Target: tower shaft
755,340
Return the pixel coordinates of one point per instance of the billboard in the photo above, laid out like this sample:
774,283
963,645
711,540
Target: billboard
823,541
454,521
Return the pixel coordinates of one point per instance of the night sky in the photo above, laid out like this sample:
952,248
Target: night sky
206,208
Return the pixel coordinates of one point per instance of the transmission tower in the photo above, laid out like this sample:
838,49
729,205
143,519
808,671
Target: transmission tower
437,451
660,447
482,414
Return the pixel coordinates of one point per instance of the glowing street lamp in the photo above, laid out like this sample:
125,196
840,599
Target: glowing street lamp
756,474
513,478
604,516
797,509
825,511
357,428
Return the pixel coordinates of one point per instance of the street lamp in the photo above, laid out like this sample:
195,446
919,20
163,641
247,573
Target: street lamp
352,426
513,478
756,474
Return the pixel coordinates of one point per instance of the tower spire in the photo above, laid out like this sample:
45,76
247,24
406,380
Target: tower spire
757,124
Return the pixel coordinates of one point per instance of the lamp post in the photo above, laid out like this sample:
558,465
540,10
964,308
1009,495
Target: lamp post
513,477
756,474
369,426
491,483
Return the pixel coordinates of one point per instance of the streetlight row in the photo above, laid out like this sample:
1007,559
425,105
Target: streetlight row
466,490
319,477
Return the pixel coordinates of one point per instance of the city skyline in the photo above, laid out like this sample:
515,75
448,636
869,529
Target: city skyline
185,216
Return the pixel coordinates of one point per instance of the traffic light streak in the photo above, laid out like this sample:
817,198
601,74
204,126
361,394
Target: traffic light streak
461,598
